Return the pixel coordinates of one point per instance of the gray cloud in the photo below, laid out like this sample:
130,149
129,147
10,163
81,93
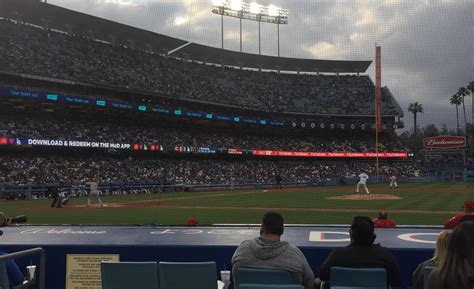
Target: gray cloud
426,45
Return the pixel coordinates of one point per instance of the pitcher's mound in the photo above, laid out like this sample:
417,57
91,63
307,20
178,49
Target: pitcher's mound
365,197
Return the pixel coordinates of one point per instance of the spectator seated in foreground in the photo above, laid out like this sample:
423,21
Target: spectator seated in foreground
439,255
268,251
457,270
362,253
383,221
468,214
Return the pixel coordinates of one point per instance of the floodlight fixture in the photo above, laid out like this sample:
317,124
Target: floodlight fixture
243,9
273,10
236,5
218,3
254,8
254,11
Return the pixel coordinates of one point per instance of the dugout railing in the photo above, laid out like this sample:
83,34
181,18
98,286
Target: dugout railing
40,284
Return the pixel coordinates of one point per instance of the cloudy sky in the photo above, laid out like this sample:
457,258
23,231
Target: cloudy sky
427,46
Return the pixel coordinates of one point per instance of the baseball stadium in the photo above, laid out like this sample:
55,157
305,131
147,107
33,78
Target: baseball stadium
123,144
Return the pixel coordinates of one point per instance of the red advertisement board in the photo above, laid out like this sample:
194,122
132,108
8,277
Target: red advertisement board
7,141
444,142
328,154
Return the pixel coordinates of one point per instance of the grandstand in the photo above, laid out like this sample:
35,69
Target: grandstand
141,84
173,130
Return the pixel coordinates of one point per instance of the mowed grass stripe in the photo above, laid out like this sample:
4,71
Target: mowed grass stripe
170,216
409,200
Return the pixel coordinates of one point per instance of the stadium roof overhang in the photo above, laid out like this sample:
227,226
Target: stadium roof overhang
233,58
55,17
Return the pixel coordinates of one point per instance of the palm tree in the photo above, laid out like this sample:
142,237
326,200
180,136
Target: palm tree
456,99
470,86
415,108
463,92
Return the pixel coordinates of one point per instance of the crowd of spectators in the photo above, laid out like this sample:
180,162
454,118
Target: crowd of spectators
120,131
446,160
32,50
17,170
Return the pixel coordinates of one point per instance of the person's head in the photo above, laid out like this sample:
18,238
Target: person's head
469,206
441,246
462,240
272,224
383,215
460,254
362,231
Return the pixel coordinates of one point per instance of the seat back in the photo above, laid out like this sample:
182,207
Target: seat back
4,283
129,275
245,275
271,286
426,273
358,277
186,275
351,287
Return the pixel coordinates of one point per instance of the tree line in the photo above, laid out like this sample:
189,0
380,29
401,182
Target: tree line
414,138
456,99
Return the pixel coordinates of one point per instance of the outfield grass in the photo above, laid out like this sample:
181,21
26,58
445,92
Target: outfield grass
419,204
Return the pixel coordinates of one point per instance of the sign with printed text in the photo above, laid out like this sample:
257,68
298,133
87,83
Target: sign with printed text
444,142
83,270
272,153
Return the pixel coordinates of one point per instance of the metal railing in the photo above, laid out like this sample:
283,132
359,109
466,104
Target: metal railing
29,252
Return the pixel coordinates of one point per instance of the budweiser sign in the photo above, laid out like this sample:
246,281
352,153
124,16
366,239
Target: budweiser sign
444,142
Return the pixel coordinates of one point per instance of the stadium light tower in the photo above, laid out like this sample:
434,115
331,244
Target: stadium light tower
243,9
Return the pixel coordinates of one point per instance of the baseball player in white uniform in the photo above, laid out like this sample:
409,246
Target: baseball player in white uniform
393,182
94,191
363,177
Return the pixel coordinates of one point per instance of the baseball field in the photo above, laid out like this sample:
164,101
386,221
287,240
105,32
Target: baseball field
411,204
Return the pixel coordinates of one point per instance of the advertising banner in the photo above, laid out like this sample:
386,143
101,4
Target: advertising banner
444,142
64,143
193,149
329,154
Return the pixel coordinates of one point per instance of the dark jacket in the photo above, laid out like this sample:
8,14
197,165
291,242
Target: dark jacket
418,275
362,256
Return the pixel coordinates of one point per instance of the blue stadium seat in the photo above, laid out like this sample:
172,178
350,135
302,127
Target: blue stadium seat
358,278
270,286
187,275
3,276
246,275
352,287
129,275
